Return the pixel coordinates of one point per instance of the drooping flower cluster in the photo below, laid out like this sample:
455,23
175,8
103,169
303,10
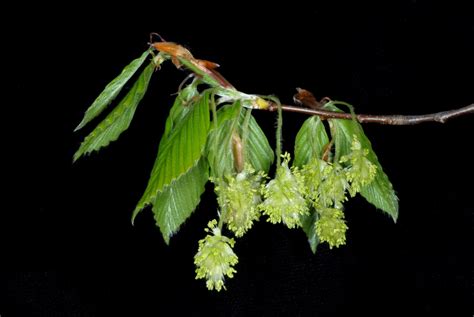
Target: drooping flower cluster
319,185
360,171
331,227
327,184
215,258
238,197
284,196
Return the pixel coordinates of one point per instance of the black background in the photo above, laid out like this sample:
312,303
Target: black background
68,246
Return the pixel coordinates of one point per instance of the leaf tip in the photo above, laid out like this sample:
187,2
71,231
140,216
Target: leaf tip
79,126
394,215
134,215
76,156
166,238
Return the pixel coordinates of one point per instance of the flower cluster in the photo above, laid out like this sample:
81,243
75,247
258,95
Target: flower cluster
360,171
284,196
238,198
326,183
320,185
331,227
215,258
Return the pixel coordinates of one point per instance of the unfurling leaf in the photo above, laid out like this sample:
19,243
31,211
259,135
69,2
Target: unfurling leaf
310,141
231,120
112,90
119,119
180,107
380,191
180,151
219,152
258,152
177,201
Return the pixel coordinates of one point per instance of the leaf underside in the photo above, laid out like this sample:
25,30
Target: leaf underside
180,151
112,90
380,191
177,201
118,120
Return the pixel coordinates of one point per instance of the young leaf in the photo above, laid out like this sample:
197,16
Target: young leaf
177,201
119,119
259,153
308,223
222,160
380,191
310,141
179,108
180,151
112,90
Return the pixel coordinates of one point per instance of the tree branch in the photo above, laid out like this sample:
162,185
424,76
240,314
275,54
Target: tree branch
441,117
304,97
307,99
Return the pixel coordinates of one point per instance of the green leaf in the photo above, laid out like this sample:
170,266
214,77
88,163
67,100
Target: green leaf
380,191
258,153
308,222
221,159
180,108
176,202
180,151
119,119
310,141
112,90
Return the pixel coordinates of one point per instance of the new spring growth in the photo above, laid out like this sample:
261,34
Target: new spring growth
331,227
284,196
215,258
360,171
238,197
325,183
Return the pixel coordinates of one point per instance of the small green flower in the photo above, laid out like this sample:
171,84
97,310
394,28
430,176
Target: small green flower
238,198
284,196
326,183
331,227
361,171
332,191
215,258
313,173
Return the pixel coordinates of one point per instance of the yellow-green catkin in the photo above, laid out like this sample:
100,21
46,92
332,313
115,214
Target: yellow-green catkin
360,170
239,197
215,258
331,227
284,196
